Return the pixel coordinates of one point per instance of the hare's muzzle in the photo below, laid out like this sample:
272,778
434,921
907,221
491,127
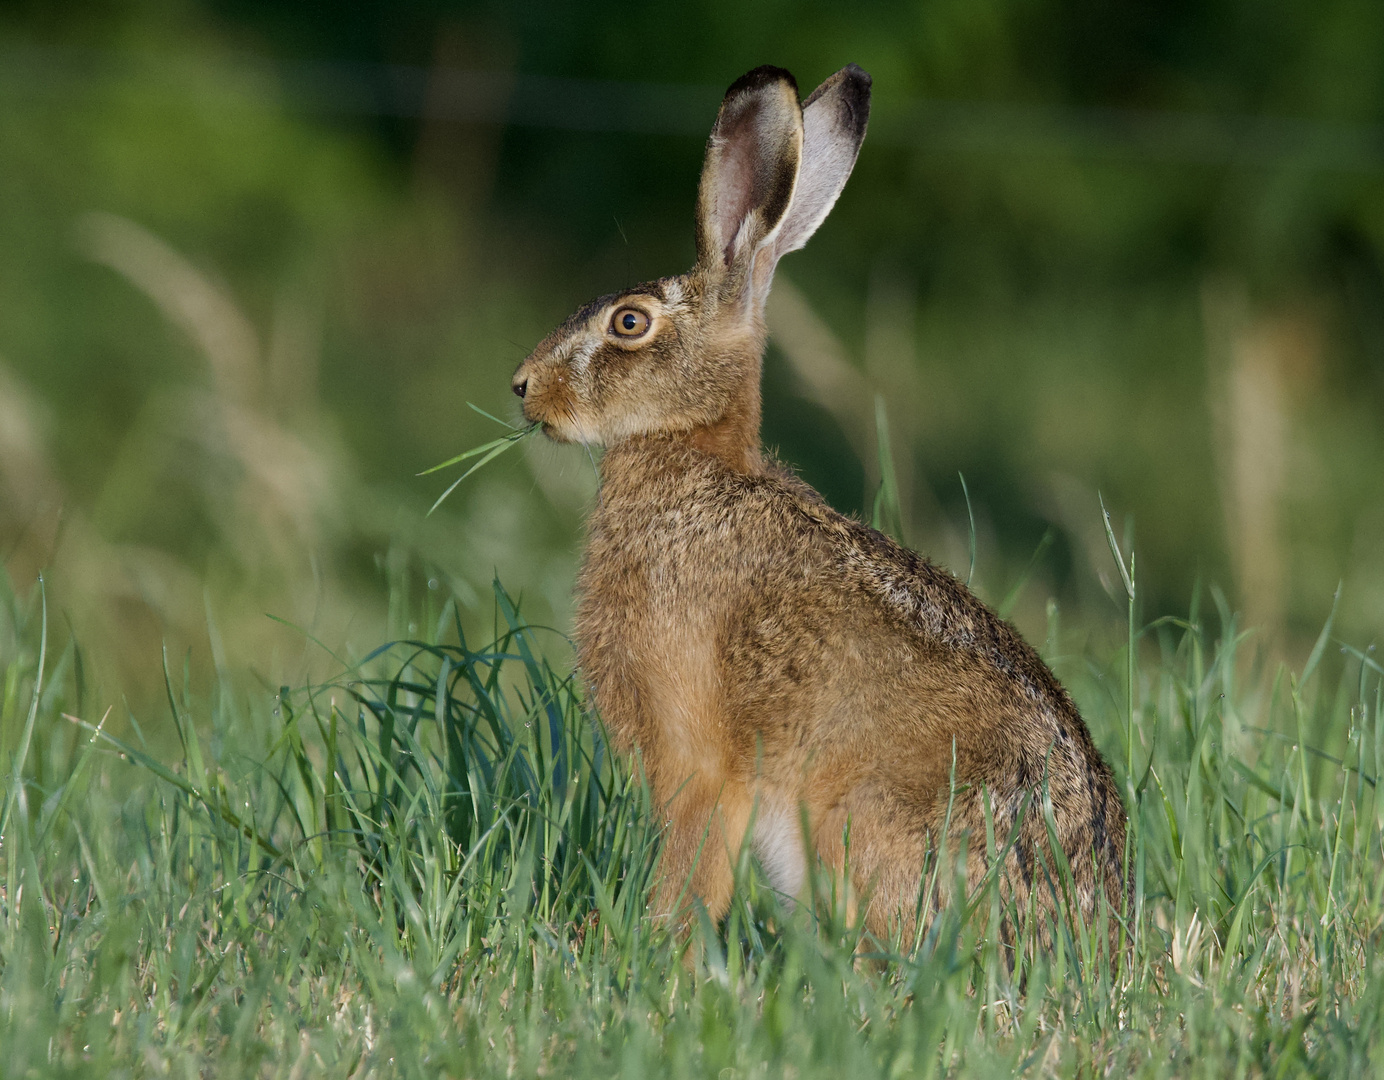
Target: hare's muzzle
544,389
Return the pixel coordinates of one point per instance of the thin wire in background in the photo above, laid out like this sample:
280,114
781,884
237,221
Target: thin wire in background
599,105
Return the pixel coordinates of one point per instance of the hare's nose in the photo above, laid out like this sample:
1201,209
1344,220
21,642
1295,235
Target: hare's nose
521,387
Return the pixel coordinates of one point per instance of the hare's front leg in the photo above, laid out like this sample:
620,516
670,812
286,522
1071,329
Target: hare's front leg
706,812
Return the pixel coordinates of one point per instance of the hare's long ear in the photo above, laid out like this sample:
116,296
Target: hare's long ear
750,171
834,120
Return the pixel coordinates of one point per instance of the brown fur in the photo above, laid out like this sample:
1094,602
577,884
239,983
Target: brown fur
771,658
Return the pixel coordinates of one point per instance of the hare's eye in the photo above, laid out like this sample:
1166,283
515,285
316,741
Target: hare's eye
629,322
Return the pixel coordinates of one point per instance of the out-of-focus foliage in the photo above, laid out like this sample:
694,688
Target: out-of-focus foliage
255,258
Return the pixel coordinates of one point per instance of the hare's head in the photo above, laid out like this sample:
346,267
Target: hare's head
681,355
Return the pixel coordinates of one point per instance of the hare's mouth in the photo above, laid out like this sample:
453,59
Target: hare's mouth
563,426
559,428
559,419
545,416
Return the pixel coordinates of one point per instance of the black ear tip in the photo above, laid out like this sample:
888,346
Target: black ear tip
856,74
851,88
856,84
761,77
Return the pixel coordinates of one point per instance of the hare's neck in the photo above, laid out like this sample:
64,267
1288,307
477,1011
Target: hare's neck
633,470
726,440
734,438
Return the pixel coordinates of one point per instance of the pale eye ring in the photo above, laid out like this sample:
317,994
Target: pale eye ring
629,322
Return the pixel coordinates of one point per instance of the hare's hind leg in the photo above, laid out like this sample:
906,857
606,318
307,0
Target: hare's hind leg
875,856
707,820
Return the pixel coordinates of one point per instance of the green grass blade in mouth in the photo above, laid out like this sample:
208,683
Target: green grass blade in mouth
487,452
495,450
485,448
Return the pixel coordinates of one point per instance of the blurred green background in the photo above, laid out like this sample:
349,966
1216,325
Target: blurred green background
256,257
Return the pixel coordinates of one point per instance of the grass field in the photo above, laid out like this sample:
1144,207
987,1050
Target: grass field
431,867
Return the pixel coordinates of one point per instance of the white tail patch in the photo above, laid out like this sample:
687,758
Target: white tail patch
778,844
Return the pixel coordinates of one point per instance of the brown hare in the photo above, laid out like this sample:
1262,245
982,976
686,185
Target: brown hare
791,677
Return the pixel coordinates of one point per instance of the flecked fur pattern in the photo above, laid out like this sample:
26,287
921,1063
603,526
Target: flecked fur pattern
790,676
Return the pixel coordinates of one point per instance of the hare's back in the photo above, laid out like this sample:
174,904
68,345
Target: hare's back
845,638
914,686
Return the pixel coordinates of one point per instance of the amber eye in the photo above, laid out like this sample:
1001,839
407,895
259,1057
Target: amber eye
629,322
